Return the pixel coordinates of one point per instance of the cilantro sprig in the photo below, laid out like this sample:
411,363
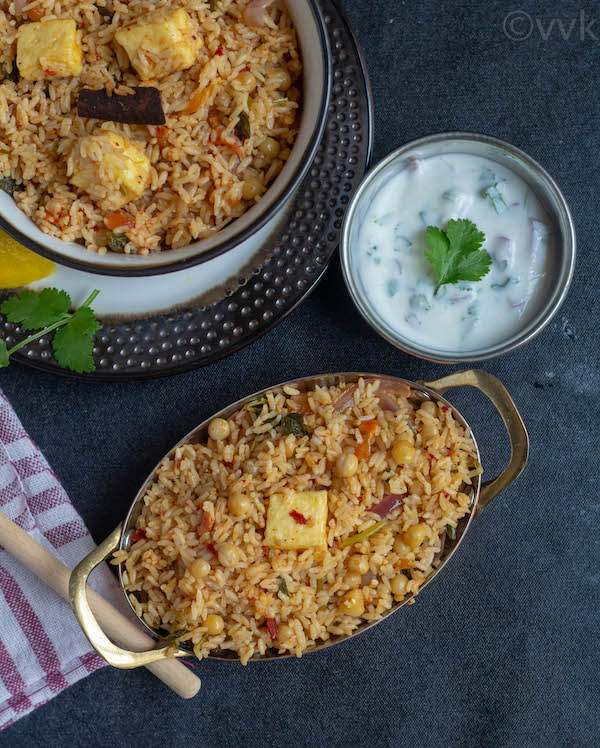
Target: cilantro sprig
47,311
456,253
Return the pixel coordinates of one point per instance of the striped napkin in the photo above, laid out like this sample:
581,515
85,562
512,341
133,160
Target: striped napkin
42,648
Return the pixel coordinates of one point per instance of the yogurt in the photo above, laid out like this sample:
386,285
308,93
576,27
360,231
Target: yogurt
400,282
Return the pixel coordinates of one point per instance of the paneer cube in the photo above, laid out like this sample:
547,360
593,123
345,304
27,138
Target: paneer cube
50,49
111,169
159,44
297,520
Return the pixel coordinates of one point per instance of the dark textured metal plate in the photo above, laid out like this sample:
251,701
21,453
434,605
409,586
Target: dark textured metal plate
187,338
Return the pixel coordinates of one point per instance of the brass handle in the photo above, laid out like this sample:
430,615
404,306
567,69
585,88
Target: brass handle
114,655
517,433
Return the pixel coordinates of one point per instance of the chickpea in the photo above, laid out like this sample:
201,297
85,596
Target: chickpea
428,431
358,564
280,80
214,624
200,568
416,535
398,585
218,429
353,603
346,465
229,555
259,162
429,407
245,81
284,633
403,452
400,547
269,147
353,580
253,187
239,504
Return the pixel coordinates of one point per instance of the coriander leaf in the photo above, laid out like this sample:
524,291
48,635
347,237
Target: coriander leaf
74,343
464,237
36,310
455,254
3,354
293,423
174,635
475,266
242,128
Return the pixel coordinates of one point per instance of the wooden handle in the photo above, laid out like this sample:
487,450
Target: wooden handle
124,631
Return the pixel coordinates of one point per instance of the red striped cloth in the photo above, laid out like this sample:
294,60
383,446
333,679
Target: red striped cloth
42,648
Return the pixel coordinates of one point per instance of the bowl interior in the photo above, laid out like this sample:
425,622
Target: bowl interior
560,260
315,80
199,434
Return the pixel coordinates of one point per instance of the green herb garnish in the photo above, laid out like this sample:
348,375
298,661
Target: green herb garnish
46,311
451,532
117,242
493,193
174,635
256,406
282,586
319,585
10,185
293,423
363,535
242,128
456,253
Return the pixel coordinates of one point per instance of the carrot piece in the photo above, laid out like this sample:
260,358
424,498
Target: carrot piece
368,430
120,218
34,14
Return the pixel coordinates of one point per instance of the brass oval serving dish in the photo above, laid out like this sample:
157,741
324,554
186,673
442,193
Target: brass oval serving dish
483,493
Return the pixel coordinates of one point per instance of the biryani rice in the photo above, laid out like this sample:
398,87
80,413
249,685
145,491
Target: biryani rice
191,487
198,165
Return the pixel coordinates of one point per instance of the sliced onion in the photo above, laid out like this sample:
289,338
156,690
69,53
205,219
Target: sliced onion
388,403
256,13
391,385
389,502
385,385
345,398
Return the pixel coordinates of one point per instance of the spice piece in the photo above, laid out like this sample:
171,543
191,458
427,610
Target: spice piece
299,518
139,534
144,107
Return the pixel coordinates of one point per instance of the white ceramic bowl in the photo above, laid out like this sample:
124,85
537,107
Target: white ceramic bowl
316,59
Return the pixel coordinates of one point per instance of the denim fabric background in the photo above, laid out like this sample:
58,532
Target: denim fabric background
502,650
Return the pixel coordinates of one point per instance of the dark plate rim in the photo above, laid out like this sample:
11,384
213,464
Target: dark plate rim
249,231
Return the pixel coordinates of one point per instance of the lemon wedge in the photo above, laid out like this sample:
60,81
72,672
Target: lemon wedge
20,266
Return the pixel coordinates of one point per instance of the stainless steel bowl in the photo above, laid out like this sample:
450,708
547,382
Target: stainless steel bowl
560,268
483,493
